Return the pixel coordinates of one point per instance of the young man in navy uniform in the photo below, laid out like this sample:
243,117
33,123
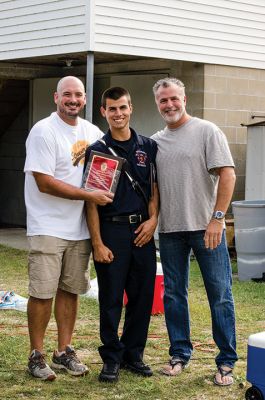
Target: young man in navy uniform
123,244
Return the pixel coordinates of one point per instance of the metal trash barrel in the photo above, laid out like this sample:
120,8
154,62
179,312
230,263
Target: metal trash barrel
249,216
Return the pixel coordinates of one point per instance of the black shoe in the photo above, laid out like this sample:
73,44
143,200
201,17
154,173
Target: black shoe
109,372
138,367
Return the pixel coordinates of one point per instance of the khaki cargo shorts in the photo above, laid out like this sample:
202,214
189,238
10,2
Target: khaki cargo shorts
57,263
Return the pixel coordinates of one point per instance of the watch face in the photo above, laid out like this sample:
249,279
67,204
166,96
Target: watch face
219,214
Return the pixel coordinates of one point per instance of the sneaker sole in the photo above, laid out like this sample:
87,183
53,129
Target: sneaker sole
48,378
69,371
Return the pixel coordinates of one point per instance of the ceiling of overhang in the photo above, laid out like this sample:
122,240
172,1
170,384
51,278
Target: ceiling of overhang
75,59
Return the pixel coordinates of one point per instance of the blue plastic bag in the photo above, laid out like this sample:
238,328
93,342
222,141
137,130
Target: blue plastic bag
10,300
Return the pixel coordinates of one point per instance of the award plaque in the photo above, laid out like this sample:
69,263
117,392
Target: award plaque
102,172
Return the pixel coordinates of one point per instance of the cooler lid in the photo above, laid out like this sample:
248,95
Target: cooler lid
257,340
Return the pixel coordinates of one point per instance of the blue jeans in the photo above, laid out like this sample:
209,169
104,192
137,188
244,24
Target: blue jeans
175,249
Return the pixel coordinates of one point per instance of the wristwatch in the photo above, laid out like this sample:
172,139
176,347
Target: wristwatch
218,215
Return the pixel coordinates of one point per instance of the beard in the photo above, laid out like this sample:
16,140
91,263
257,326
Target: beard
172,119
70,113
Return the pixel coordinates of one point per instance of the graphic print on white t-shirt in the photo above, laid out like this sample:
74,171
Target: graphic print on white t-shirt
78,152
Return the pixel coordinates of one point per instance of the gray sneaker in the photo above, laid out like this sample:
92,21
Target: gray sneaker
69,362
38,368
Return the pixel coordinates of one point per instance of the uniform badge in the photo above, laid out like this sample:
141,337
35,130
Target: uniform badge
141,158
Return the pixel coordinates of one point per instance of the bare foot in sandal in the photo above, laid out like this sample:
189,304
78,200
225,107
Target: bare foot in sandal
174,367
224,376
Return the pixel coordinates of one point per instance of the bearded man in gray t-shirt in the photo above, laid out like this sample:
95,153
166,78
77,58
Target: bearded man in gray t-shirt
196,180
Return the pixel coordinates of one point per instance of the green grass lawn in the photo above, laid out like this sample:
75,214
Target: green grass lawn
196,382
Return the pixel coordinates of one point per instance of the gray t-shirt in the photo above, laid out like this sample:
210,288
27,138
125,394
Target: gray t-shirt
186,159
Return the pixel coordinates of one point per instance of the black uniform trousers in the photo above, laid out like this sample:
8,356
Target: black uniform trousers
133,270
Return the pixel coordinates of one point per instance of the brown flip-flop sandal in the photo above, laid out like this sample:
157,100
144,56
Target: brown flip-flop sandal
223,373
170,368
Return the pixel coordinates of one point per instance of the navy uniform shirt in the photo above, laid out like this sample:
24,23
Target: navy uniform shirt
140,152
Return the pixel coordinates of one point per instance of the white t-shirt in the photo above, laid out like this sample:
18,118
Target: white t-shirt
57,149
186,159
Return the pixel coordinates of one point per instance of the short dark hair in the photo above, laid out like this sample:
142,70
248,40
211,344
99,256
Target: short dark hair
114,93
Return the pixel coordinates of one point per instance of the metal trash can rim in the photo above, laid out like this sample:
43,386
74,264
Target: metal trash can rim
249,203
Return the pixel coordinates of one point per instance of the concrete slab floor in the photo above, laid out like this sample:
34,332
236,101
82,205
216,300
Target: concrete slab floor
14,237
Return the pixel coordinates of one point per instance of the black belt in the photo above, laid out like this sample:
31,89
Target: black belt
129,219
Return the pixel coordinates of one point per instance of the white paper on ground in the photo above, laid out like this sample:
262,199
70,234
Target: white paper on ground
93,291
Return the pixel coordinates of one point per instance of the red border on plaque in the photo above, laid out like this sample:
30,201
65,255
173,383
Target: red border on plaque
101,174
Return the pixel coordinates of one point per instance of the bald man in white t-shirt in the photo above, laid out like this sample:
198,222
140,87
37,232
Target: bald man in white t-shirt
59,245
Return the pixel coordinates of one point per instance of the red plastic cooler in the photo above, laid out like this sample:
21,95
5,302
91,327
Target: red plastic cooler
158,305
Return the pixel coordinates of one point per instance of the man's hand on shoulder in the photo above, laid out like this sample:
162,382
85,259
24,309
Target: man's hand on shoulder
213,234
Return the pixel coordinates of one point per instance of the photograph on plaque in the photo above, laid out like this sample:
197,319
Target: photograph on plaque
102,172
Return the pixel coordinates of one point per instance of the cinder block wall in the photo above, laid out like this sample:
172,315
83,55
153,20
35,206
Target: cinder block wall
231,96
192,75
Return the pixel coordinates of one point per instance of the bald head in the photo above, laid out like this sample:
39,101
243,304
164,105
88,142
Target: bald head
69,79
